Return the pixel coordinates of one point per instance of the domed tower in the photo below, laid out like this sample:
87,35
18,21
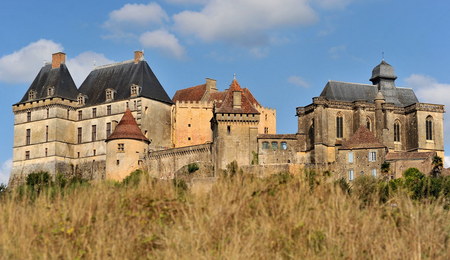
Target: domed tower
383,76
125,148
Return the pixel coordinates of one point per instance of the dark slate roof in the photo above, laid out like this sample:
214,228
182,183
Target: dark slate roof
59,78
127,129
383,70
120,77
345,91
363,138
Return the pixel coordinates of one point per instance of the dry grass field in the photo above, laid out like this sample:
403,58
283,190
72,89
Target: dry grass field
240,217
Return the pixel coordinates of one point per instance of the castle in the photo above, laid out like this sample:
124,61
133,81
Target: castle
121,119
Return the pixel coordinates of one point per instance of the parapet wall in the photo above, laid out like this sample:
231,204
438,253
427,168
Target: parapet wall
165,163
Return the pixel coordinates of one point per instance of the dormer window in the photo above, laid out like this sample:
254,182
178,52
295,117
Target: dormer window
50,91
81,99
110,94
31,95
135,90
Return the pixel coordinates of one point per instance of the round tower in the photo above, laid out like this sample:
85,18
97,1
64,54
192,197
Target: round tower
125,148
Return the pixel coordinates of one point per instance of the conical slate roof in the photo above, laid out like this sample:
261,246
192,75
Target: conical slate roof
363,138
58,78
127,129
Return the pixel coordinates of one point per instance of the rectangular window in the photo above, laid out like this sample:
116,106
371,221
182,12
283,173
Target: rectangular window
228,129
68,113
80,135
46,152
94,112
275,145
46,133
351,175
374,172
108,110
27,155
94,133
48,112
266,130
265,145
80,115
28,116
94,152
350,157
121,147
28,138
339,127
108,129
372,156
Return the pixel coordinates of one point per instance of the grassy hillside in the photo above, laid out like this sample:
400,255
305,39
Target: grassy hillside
281,217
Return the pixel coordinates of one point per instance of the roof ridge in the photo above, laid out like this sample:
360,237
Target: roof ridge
112,65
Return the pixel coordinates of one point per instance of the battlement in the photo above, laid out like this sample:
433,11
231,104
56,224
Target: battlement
40,103
194,104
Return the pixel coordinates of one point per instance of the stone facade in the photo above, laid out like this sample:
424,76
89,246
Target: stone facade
350,129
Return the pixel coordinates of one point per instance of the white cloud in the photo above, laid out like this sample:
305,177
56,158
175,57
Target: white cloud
23,65
163,40
243,22
184,2
446,161
5,170
131,16
333,4
298,81
336,51
82,65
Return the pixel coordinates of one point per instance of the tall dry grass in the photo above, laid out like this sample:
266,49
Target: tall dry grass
281,217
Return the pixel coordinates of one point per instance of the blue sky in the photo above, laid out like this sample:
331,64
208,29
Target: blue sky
283,50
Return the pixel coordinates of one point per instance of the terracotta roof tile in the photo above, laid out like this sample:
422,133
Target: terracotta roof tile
250,97
363,138
127,129
190,94
409,156
227,104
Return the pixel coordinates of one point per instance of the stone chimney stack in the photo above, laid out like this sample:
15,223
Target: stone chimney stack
138,56
211,85
58,59
237,99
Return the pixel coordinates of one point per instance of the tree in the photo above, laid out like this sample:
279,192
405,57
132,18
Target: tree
437,166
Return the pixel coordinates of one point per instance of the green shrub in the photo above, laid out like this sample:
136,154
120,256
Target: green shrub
134,178
365,187
193,167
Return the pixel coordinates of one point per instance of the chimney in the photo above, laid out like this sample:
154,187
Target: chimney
138,56
58,59
211,85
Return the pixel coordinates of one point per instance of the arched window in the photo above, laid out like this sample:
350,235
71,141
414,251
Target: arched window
429,128
369,124
339,126
397,131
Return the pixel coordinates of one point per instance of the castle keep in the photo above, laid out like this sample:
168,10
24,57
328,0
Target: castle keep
121,119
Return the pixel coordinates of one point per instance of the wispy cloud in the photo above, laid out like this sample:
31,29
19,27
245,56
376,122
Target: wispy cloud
5,170
131,17
164,41
298,81
333,4
243,22
337,51
23,65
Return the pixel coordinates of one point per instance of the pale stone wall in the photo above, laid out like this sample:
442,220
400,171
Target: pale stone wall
192,124
397,167
164,164
361,164
268,120
271,155
120,164
235,139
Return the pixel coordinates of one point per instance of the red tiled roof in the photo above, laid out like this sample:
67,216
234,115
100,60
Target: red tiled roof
363,138
127,129
409,156
250,97
190,94
227,104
